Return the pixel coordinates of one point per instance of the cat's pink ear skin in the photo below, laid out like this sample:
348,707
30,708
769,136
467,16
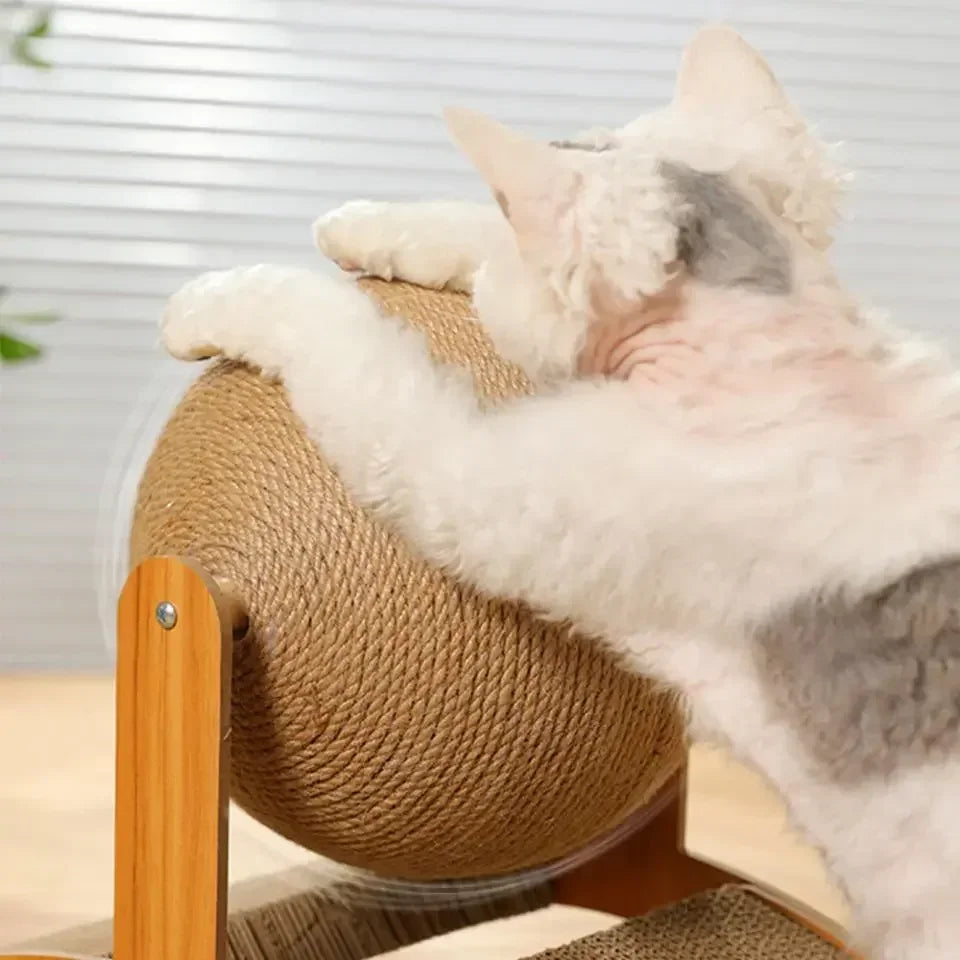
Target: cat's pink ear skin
529,179
721,71
504,157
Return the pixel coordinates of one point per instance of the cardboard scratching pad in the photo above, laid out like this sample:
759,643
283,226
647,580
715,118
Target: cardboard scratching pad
383,715
728,924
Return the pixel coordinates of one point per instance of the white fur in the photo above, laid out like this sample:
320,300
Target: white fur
667,529
442,248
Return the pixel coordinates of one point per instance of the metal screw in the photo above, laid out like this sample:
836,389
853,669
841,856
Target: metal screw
166,614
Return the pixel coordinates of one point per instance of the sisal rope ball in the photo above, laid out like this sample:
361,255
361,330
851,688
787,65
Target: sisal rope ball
383,715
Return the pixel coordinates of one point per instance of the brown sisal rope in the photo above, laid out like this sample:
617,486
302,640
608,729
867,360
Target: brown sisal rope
383,715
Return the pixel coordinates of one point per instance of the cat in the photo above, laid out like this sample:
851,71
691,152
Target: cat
733,476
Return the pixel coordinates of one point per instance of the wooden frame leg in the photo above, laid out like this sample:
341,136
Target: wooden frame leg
173,675
648,870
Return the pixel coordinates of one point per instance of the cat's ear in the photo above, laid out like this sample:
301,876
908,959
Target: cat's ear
527,177
721,71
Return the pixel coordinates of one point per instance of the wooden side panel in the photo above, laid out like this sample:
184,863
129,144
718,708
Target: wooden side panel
647,871
172,767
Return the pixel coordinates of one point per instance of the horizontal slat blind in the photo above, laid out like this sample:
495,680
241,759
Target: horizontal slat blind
174,136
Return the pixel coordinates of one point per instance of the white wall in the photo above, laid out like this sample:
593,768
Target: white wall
179,135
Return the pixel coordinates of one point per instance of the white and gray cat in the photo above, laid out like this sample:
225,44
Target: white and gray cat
733,477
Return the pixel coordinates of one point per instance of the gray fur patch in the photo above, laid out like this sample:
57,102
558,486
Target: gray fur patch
873,684
724,239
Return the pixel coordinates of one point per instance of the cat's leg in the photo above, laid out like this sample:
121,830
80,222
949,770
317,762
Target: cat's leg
891,842
433,244
503,499
906,908
458,246
929,932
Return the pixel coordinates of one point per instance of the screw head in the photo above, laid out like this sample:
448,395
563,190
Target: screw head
166,614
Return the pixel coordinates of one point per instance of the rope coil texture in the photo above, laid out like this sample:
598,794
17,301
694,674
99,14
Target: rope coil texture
384,716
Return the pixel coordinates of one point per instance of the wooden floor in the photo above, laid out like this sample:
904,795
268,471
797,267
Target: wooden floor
56,816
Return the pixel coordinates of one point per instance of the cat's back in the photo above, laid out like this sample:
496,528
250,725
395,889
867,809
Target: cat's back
870,683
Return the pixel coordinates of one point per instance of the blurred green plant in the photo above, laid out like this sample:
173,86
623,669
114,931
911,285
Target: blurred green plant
22,48
14,348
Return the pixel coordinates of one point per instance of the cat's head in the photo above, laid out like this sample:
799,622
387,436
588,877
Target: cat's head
725,187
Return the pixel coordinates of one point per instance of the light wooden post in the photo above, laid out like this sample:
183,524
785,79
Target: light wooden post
173,716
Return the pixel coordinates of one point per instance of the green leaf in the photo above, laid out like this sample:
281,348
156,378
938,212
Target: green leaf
22,48
15,350
41,26
41,316
23,53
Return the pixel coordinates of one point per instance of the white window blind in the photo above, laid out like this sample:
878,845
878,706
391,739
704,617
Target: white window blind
174,136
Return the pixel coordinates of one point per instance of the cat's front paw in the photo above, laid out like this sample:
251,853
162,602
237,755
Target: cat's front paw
356,237
190,327
243,314
418,243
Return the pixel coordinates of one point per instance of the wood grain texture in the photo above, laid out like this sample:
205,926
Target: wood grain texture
172,765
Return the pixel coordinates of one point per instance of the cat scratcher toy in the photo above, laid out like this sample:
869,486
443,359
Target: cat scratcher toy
276,644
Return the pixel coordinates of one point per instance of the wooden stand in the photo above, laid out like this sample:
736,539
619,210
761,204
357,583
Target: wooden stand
174,643
651,869
173,716
648,870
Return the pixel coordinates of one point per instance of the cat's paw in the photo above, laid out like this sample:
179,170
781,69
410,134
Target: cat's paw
396,241
240,314
356,237
190,327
